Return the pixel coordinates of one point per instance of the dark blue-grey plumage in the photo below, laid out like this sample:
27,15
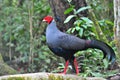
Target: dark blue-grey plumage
66,45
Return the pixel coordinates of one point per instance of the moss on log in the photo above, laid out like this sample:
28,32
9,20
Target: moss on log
5,69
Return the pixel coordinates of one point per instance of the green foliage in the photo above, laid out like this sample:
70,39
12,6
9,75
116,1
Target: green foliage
75,12
107,27
67,11
81,9
94,65
69,18
15,29
102,10
84,27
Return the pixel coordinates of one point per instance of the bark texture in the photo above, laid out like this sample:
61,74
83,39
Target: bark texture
58,8
117,24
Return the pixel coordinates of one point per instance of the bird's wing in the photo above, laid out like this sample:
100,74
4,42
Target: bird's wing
71,42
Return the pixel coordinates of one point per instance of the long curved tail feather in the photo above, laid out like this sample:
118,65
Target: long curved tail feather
106,49
113,56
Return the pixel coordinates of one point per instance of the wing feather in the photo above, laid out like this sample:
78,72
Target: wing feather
71,42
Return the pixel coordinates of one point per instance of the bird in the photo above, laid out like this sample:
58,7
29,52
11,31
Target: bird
66,45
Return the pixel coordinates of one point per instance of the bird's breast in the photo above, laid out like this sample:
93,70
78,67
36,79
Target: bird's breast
62,52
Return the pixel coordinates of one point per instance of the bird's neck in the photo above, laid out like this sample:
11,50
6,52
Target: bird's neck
52,28
52,32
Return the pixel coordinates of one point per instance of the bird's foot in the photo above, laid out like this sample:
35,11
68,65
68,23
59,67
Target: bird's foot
66,66
76,66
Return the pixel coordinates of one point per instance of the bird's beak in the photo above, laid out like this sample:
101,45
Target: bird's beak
44,20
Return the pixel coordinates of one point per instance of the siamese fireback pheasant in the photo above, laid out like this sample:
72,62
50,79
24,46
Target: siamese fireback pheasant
66,45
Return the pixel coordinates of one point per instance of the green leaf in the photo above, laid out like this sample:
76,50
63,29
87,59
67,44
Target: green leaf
73,30
105,63
68,31
96,74
81,32
10,44
69,1
68,10
47,60
82,9
85,26
69,18
109,22
86,19
20,27
77,28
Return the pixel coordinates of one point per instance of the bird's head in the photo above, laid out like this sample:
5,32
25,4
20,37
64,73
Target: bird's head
48,19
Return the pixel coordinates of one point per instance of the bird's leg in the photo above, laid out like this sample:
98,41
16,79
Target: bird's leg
76,66
66,66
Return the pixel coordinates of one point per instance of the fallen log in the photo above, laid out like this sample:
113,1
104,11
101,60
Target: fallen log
47,76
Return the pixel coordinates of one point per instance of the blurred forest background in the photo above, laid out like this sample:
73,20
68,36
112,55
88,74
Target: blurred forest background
22,36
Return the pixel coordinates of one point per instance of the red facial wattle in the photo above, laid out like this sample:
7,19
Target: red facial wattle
48,19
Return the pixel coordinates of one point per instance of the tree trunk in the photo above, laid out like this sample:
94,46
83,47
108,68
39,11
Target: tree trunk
4,68
117,25
58,8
